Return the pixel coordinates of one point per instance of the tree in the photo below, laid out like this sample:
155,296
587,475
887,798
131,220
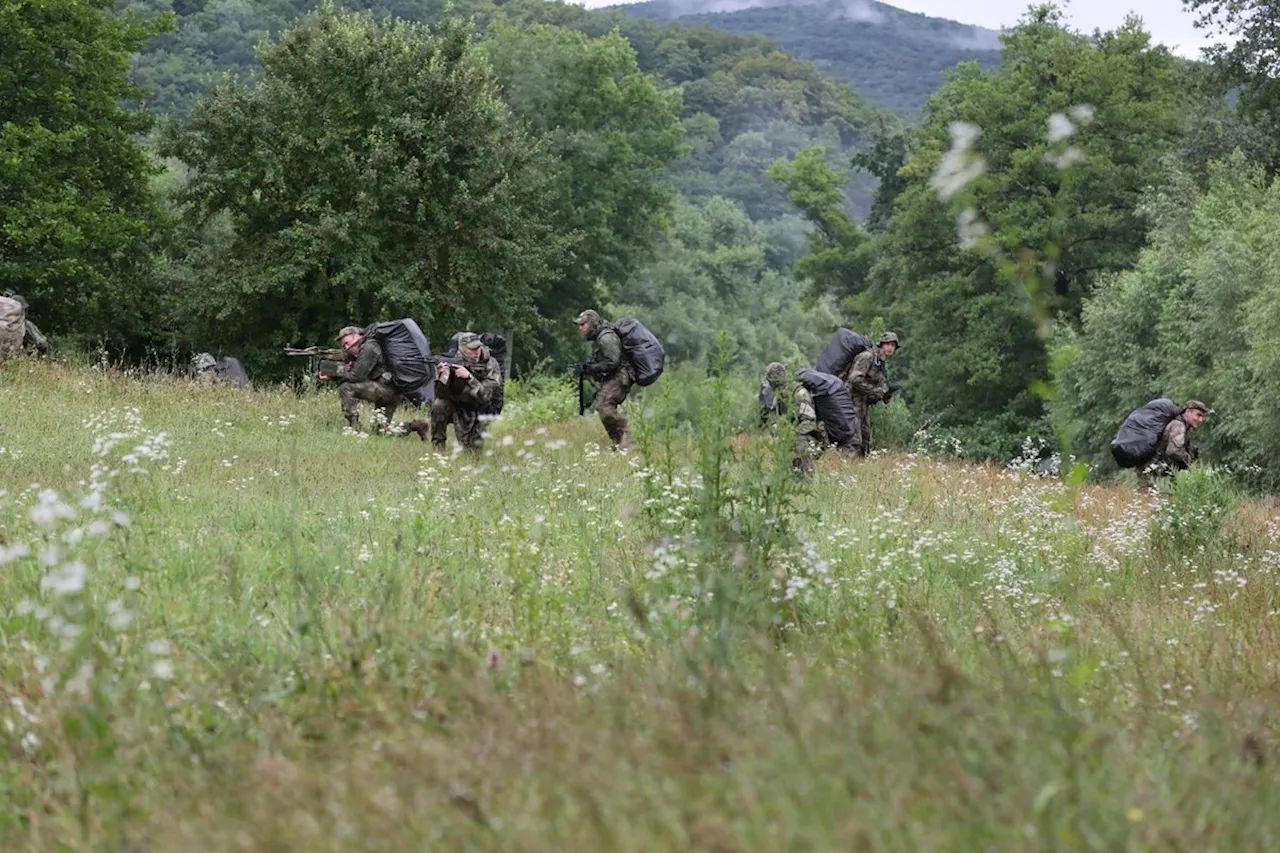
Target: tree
76,211
371,171
610,132
1069,129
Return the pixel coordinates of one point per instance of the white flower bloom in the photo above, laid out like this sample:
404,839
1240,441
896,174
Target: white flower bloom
1060,128
66,580
159,647
132,583
13,552
959,166
162,669
970,227
1082,113
98,527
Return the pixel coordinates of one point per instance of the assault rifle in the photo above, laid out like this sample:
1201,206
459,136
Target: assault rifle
327,353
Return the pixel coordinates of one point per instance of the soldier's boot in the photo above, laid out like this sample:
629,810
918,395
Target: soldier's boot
353,419
624,439
421,427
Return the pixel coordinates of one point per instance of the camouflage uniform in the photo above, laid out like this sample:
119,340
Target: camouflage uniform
464,402
366,379
1174,451
811,436
868,384
609,365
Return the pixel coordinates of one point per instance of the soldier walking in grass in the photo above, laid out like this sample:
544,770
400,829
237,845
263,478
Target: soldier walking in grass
868,383
1174,451
367,378
610,367
811,437
465,389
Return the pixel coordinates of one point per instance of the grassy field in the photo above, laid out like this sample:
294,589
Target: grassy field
226,625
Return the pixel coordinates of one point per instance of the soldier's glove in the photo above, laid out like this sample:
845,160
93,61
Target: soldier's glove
888,396
1194,450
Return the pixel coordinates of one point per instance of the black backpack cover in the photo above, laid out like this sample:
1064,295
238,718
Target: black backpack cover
841,350
232,371
1136,442
642,349
833,404
407,353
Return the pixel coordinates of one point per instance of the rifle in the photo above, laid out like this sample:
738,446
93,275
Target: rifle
326,353
582,399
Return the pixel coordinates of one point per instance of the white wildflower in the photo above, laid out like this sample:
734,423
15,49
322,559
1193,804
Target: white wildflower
65,580
960,166
1060,128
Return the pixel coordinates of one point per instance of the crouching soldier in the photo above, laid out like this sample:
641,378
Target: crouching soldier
609,366
811,437
367,378
465,388
868,384
225,370
1174,451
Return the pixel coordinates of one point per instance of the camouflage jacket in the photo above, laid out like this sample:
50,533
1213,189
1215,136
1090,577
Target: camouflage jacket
370,365
801,410
1174,448
867,377
477,390
608,360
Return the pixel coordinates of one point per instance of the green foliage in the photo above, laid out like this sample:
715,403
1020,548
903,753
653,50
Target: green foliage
975,284
77,216
1189,522
895,58
1195,317
372,171
610,132
715,271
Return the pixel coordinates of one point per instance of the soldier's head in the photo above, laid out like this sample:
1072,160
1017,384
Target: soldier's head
470,347
588,323
1193,412
204,361
888,344
776,374
9,293
350,339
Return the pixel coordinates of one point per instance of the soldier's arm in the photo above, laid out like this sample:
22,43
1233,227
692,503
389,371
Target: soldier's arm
482,389
860,381
1175,447
365,365
608,356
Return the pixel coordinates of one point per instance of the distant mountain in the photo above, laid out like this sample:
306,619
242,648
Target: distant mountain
895,58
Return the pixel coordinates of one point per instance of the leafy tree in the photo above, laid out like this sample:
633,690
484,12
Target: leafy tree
1055,208
1196,317
611,133
714,273
76,210
371,171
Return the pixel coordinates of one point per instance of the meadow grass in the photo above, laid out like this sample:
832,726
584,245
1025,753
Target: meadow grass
226,625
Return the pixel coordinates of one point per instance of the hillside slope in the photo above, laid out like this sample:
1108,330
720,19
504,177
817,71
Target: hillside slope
897,59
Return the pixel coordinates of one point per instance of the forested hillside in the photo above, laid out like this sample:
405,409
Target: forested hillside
897,59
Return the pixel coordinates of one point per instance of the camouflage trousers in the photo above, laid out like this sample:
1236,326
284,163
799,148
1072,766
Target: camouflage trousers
610,396
1150,475
808,448
384,398
861,443
468,428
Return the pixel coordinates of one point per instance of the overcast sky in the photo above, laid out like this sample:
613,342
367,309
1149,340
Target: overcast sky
1165,19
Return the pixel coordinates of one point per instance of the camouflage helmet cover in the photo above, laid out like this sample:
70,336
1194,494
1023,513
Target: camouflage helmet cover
588,316
890,338
775,373
349,330
1197,405
204,361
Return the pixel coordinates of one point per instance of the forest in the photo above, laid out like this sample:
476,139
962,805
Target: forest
1057,237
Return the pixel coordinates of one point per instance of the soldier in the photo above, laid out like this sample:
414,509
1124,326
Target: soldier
868,384
609,366
33,340
464,393
226,370
811,436
1174,452
366,378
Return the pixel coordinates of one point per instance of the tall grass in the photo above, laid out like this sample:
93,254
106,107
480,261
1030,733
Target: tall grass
225,625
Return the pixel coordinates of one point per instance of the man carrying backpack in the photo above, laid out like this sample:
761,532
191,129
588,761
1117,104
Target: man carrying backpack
464,393
610,367
1174,451
367,378
811,437
868,384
